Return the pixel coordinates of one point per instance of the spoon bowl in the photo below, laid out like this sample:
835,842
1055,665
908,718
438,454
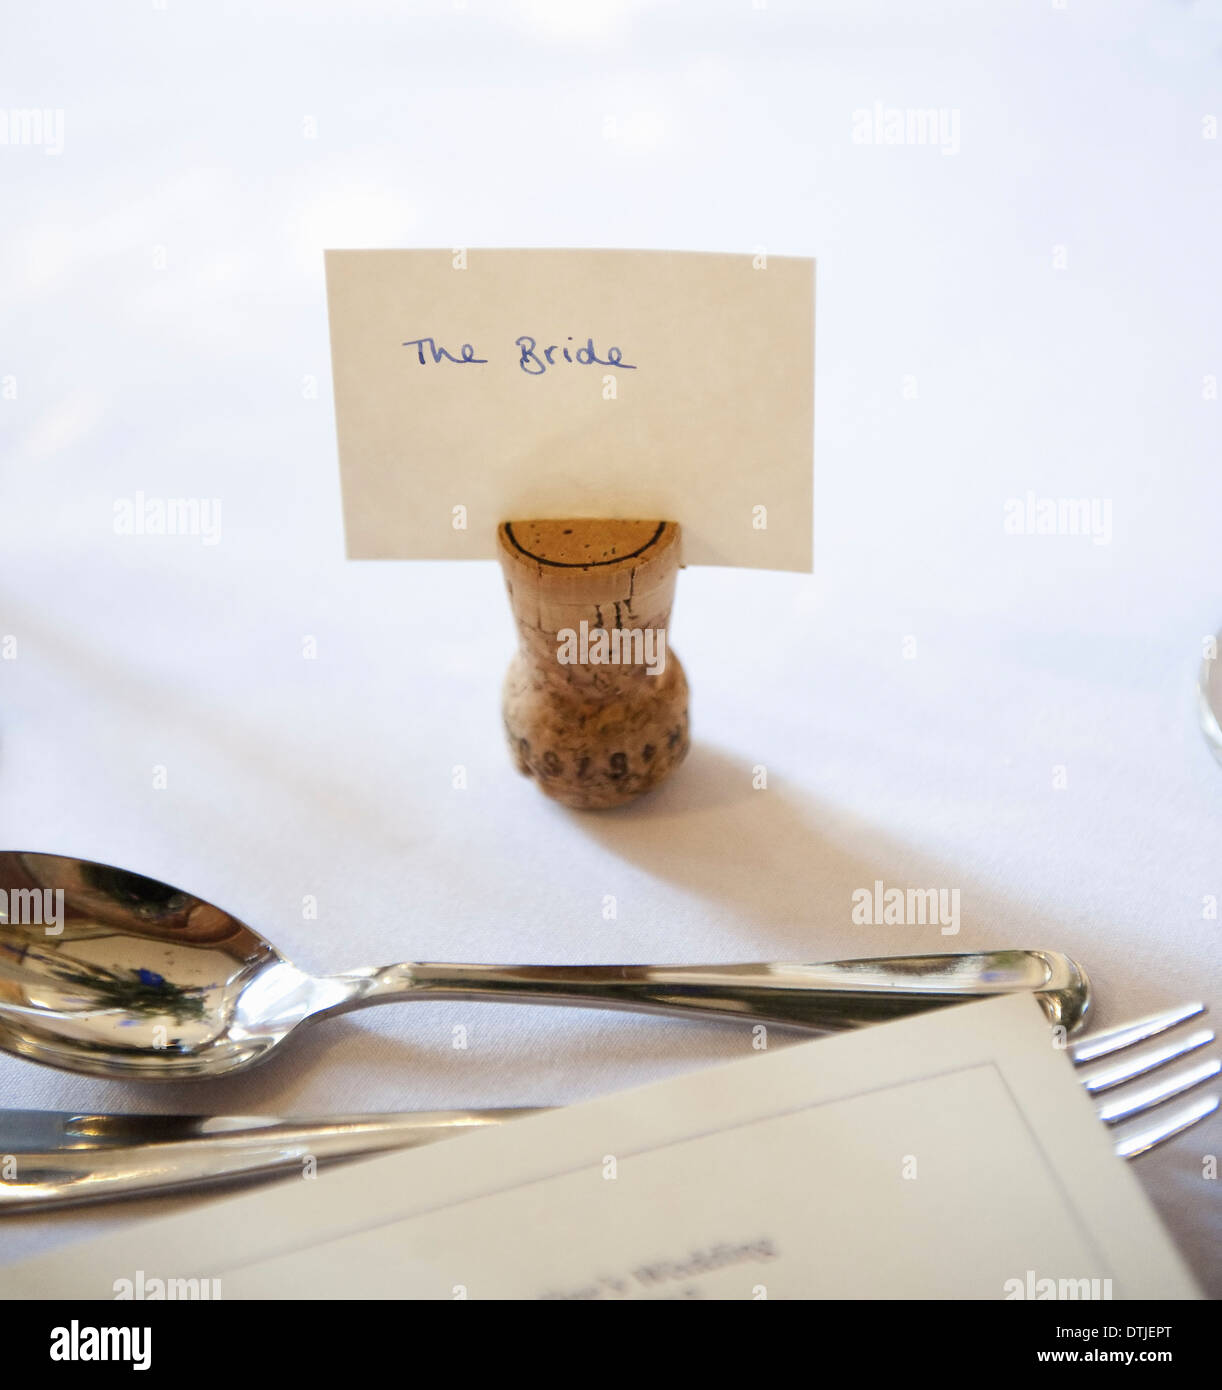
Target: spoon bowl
108,972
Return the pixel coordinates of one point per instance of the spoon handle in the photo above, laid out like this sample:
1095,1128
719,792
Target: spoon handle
828,997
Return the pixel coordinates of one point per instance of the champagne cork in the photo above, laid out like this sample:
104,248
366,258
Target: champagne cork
595,702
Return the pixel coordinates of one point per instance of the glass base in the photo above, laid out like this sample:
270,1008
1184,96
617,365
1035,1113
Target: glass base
1209,689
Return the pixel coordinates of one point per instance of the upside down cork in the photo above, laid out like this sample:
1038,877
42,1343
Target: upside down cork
595,702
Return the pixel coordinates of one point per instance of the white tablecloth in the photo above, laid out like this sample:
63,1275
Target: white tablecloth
944,704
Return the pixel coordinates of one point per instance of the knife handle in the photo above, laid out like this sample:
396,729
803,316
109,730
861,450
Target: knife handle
73,1176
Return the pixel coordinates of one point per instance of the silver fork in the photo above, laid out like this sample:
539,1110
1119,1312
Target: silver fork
62,1159
1122,1101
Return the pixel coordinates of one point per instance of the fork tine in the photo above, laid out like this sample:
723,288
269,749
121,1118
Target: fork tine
1133,1101
1103,1078
1175,1121
1109,1040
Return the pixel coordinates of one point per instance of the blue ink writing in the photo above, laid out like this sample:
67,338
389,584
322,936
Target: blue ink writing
535,360
440,354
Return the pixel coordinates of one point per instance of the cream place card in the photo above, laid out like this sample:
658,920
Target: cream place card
475,387
952,1155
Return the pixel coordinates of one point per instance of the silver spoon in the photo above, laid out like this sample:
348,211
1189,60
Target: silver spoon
106,972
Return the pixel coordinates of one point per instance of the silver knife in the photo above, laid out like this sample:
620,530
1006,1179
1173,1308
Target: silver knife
56,1158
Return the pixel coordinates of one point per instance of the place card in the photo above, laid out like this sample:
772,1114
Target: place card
951,1155
475,387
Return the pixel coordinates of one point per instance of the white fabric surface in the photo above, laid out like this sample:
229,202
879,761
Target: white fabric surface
162,279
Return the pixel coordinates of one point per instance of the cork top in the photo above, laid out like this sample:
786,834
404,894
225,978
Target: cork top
578,542
589,557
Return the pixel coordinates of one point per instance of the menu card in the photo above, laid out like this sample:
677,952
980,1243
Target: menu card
952,1155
